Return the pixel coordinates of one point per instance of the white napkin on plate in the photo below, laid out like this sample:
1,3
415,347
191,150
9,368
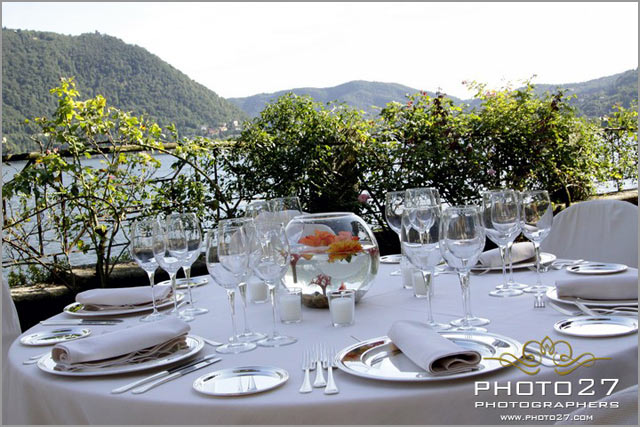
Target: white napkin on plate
605,287
519,252
121,297
429,350
131,345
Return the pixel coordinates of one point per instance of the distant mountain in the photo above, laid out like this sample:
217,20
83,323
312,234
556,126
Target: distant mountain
128,76
359,94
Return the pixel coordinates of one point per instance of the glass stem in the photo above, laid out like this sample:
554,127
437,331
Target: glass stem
272,293
536,247
151,275
466,296
428,277
187,275
510,259
503,253
175,292
232,302
242,287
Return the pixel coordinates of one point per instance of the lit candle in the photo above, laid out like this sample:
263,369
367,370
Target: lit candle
342,310
258,291
290,307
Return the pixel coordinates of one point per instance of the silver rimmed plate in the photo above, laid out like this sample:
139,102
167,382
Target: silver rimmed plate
77,309
241,381
194,345
183,283
55,336
552,294
597,326
391,259
545,258
597,268
379,359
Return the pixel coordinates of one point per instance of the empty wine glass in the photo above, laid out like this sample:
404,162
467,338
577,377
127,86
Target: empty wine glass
232,246
462,239
536,218
142,252
193,233
284,209
419,237
271,266
256,208
500,218
393,207
170,251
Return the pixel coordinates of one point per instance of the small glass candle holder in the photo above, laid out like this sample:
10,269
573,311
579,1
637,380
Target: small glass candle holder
290,305
258,292
419,284
407,271
342,305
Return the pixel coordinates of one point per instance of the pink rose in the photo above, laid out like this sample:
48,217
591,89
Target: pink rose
363,197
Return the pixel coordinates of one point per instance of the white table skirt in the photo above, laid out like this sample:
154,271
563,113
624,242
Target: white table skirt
37,397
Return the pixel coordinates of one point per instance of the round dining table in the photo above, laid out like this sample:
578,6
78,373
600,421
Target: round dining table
38,397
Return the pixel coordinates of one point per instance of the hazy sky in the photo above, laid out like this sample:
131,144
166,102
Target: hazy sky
241,49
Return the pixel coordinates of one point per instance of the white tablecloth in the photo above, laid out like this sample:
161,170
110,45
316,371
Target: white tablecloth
37,397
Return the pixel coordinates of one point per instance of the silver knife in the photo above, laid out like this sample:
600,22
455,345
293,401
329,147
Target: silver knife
177,374
162,374
57,322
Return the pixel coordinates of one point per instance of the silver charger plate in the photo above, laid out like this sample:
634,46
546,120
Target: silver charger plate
597,326
183,283
379,359
552,294
77,309
55,336
241,381
545,258
194,345
597,268
391,259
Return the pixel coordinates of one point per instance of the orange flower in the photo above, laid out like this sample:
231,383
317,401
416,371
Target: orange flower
343,249
346,235
319,238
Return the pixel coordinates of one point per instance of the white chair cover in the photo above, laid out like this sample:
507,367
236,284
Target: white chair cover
10,331
626,413
596,230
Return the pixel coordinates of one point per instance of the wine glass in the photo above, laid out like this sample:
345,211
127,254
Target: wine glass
284,209
419,237
255,208
271,265
193,233
170,251
462,239
393,207
500,219
231,236
536,218
142,252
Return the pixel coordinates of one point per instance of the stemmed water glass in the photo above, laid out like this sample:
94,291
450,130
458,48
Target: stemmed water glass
142,252
271,266
462,240
500,218
233,251
170,251
393,208
284,209
193,233
255,208
536,218
419,237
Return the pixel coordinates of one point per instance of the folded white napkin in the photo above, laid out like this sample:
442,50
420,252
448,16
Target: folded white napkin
429,350
519,252
131,345
619,286
121,297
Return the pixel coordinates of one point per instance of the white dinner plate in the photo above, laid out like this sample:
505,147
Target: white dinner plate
182,283
597,268
194,345
241,381
552,294
379,359
77,309
545,258
391,259
597,326
55,336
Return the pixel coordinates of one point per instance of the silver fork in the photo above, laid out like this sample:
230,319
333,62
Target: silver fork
307,364
331,387
319,356
538,301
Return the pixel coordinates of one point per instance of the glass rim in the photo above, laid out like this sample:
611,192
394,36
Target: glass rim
323,215
462,208
342,292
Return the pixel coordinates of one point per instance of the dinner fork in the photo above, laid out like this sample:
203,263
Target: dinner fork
307,365
330,357
319,359
538,301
